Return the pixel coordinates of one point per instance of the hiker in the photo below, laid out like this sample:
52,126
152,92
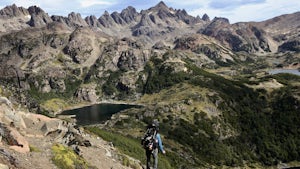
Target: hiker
152,142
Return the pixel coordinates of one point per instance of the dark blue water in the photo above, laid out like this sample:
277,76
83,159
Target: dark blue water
97,113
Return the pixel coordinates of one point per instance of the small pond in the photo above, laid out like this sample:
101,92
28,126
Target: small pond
97,113
292,71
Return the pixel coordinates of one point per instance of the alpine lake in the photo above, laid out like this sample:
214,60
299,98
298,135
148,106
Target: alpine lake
290,71
99,113
96,114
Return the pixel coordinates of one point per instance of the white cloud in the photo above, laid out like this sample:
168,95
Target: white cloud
251,12
225,4
88,3
25,4
59,4
64,7
186,2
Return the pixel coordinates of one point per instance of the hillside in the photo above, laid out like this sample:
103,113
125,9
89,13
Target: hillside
206,80
36,141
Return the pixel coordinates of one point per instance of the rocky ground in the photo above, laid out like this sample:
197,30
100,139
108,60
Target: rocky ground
27,141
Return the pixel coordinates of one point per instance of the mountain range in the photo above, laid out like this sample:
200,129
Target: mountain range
206,79
163,23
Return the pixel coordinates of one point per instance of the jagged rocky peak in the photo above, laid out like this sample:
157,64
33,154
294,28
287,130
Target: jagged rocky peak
185,17
117,18
74,15
38,17
205,17
129,14
181,14
92,21
76,19
35,10
162,10
106,13
106,20
221,20
161,6
13,11
145,20
58,18
215,26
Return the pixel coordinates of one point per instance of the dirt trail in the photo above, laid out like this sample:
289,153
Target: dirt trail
100,155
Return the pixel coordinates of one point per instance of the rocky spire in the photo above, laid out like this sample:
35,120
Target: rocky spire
146,21
92,21
161,5
221,20
38,17
117,18
35,10
76,19
205,17
129,14
106,20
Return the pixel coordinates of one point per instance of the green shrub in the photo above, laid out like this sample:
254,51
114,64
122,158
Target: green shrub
34,149
129,146
65,158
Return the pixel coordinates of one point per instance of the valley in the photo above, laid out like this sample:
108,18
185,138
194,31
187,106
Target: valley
206,80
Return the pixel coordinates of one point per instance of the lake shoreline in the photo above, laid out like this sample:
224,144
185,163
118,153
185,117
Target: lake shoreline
284,70
96,113
83,104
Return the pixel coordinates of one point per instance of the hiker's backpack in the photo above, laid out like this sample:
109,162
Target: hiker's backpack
149,140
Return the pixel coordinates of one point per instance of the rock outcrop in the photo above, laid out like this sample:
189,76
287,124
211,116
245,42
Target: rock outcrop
13,11
239,37
205,17
92,21
27,138
38,17
129,15
87,94
292,45
76,20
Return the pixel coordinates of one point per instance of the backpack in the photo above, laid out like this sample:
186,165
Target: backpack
149,140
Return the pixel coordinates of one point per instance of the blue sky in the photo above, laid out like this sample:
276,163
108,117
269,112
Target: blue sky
234,10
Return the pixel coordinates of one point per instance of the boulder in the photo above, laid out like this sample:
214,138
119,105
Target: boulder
87,94
9,116
4,100
21,144
9,158
13,138
52,126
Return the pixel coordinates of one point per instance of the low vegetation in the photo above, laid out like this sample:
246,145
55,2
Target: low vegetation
254,126
65,158
132,147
